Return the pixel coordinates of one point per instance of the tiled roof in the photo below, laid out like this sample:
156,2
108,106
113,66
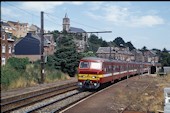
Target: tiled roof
18,23
107,50
34,27
5,24
149,53
75,30
134,51
37,36
13,22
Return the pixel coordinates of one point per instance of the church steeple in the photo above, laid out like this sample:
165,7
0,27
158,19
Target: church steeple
66,23
66,15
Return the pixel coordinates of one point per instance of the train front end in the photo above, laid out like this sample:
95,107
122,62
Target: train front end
89,74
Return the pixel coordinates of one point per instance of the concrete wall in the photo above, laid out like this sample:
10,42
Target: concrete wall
167,69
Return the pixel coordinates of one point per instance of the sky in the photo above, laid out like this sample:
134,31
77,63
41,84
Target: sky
142,23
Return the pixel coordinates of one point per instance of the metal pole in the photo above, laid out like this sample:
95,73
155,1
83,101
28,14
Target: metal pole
127,72
110,52
42,47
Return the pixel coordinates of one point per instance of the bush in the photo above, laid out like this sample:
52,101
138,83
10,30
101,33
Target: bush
18,63
32,73
17,77
52,74
8,75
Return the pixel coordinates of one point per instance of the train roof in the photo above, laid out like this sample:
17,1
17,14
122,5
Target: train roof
95,59
105,60
117,61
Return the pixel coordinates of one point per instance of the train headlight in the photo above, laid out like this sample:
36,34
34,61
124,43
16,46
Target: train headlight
80,83
95,84
94,77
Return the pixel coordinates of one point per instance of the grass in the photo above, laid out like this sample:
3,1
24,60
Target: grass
152,99
13,79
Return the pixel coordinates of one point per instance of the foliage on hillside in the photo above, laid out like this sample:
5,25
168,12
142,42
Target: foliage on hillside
19,73
18,63
66,58
95,43
165,58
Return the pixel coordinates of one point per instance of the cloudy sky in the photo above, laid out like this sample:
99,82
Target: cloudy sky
142,23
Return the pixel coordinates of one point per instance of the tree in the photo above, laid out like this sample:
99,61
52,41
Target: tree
66,58
157,51
164,50
95,43
104,44
55,34
165,58
93,39
118,41
130,45
144,48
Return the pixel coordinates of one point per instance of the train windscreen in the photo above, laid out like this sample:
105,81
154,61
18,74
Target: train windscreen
91,65
96,65
84,64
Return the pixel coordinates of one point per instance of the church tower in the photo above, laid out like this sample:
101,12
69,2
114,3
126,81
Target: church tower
66,23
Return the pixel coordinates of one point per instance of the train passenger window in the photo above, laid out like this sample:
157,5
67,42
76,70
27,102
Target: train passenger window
110,68
114,68
84,64
117,68
121,68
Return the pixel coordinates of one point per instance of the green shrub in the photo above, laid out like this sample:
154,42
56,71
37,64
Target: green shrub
8,74
18,63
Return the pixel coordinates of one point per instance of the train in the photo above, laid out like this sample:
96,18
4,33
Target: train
94,71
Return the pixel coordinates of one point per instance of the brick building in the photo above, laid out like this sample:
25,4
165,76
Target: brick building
21,29
7,45
29,46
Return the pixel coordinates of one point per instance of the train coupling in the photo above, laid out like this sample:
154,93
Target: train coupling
88,84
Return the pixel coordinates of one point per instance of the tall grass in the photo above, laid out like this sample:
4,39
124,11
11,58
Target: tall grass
8,74
52,75
12,78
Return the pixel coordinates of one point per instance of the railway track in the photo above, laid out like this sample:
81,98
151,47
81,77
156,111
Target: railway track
58,104
17,102
51,100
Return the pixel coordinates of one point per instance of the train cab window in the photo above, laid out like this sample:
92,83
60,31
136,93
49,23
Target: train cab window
96,65
84,64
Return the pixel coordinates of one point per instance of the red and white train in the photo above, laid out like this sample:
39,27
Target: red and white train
93,71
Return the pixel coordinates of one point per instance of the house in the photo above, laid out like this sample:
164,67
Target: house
117,53
34,29
50,46
138,55
80,42
150,56
7,44
30,46
7,27
21,29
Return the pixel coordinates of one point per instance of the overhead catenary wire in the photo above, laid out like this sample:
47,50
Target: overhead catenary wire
21,9
52,18
49,17
92,27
